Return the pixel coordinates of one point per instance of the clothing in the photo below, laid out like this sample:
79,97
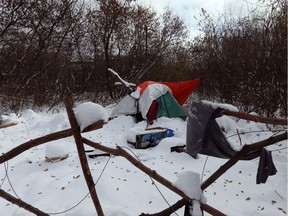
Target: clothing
204,136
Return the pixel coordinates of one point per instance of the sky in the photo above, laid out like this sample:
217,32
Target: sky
189,10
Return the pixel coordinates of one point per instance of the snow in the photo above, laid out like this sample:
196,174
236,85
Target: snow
189,182
136,94
221,105
88,113
54,150
123,189
126,106
127,84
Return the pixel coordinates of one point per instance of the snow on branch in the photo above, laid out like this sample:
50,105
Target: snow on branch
189,182
125,83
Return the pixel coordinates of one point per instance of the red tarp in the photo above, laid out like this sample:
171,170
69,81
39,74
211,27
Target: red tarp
181,90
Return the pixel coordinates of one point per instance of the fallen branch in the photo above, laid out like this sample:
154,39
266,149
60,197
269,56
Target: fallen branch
255,118
152,173
173,208
179,204
21,203
33,143
7,125
41,140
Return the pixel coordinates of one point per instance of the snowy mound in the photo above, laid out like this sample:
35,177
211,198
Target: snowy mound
189,183
55,151
88,113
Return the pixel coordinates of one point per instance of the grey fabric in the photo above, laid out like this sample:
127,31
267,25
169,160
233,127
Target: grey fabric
204,136
266,166
198,118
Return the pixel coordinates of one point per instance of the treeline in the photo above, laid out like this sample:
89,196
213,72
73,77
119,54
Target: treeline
245,60
49,48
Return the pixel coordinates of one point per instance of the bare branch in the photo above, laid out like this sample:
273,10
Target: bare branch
238,156
255,118
21,203
82,156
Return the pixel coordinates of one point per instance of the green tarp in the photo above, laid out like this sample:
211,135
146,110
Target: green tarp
169,107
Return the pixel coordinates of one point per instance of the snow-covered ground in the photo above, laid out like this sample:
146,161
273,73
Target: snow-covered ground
59,188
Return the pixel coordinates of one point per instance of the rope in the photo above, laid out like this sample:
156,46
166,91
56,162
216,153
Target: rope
67,210
53,213
153,182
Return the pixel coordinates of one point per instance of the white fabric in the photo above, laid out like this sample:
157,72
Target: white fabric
136,94
126,106
152,92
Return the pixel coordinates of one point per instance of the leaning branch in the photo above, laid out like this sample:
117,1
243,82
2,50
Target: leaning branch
7,125
153,174
246,149
33,143
82,156
179,204
239,155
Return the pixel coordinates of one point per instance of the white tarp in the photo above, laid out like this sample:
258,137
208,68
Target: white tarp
151,93
127,106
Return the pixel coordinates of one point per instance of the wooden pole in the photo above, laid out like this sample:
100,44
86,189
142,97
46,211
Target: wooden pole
21,203
7,125
180,203
47,138
255,118
82,156
32,143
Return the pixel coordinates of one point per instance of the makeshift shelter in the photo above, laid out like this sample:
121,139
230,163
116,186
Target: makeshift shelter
180,90
157,99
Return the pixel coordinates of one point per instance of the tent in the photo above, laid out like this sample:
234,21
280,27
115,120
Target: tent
157,99
180,90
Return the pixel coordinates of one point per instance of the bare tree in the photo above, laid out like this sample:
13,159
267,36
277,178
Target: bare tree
130,38
36,43
243,60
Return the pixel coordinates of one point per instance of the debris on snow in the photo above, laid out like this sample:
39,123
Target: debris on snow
55,152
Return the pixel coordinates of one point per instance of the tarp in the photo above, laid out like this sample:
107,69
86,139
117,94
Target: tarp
169,107
126,106
157,99
180,90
